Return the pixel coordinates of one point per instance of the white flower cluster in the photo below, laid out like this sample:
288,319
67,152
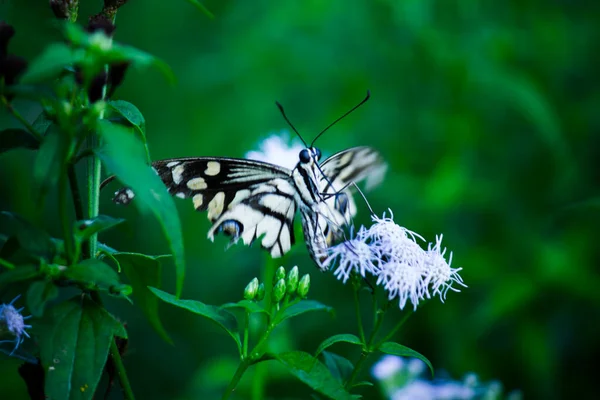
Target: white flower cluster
276,149
391,254
402,379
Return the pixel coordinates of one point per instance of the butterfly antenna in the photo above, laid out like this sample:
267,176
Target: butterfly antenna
342,117
289,123
364,197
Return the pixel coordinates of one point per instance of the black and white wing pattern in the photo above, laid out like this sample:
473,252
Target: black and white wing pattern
252,200
323,225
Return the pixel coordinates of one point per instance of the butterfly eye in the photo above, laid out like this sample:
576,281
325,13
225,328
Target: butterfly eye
304,156
317,154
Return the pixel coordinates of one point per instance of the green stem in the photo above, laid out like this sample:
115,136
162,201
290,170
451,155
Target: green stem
367,350
395,329
22,120
63,210
359,364
121,373
246,334
241,369
254,355
94,173
361,330
78,206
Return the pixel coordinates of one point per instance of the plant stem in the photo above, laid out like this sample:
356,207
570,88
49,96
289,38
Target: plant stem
246,333
395,329
367,351
361,330
78,206
63,211
254,355
22,120
94,173
120,369
236,377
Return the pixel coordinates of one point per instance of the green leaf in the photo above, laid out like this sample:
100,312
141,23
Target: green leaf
301,307
75,338
312,372
144,271
94,274
123,154
50,160
122,53
397,349
343,337
131,113
51,63
38,294
340,367
42,123
223,318
14,138
202,8
30,238
19,274
248,305
84,229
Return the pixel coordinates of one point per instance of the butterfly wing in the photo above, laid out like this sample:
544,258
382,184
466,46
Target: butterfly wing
340,171
244,199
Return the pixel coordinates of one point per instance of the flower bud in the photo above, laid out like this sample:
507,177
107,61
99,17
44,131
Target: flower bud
279,291
304,286
292,280
251,289
279,274
260,294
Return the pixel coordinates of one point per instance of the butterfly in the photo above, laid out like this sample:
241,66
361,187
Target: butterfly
255,200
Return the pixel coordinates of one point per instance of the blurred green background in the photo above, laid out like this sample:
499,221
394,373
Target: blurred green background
488,114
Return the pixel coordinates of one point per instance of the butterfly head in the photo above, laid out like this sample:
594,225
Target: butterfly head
309,155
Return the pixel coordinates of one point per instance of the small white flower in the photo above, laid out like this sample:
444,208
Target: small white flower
440,275
276,149
13,323
353,255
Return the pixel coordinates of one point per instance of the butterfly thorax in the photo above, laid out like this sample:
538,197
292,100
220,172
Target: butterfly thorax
306,176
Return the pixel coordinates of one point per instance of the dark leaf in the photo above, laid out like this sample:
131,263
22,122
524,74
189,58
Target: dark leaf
341,368
38,294
51,159
74,343
124,155
86,228
344,337
51,62
312,372
14,138
30,238
19,274
397,349
143,271
94,274
223,318
301,307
